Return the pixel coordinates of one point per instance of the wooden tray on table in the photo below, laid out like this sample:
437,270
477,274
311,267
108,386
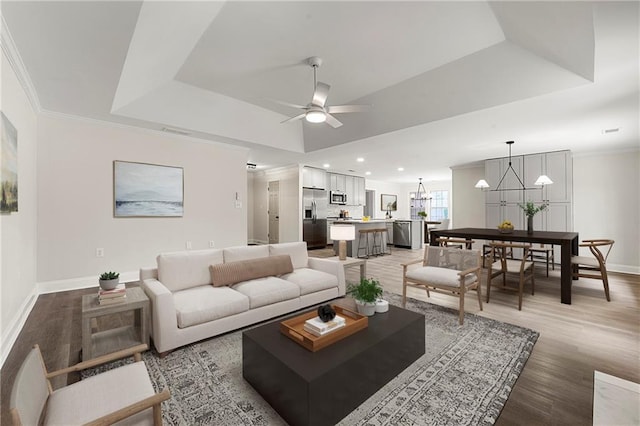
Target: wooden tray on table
293,328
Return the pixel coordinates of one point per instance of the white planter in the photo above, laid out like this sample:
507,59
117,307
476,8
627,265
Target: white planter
367,309
382,305
109,284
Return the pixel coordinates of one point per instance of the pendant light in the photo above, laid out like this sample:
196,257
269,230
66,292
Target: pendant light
541,181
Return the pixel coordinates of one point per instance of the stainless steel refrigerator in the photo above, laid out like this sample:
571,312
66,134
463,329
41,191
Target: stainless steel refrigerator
314,219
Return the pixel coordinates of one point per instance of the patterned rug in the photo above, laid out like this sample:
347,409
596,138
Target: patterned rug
464,378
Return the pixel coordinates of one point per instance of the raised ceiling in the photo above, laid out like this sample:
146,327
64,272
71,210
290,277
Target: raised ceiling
448,82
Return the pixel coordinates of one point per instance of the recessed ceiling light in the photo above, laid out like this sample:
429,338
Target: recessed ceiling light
401,169
326,166
359,159
367,173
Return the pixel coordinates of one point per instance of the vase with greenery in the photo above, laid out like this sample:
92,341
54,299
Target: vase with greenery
423,215
366,293
109,280
530,210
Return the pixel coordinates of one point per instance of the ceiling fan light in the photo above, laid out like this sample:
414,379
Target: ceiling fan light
315,117
543,180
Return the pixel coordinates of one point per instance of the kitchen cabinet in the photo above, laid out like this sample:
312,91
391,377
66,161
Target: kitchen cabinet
494,170
559,167
353,186
314,178
338,182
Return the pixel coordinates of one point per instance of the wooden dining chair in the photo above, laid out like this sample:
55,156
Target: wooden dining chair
596,266
501,264
542,253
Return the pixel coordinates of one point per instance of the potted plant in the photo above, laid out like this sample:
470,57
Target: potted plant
423,215
530,210
109,280
366,294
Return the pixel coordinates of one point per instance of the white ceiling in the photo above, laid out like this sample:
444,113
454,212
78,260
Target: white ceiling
448,82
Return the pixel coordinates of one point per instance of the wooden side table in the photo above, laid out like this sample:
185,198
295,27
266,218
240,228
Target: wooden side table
352,261
115,339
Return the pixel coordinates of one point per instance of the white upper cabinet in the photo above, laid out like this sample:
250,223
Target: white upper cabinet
353,186
314,178
338,182
558,167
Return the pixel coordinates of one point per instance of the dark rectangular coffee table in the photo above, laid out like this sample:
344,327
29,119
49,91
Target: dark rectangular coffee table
321,388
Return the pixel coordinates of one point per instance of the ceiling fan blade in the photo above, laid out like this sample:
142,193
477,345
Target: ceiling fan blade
297,117
320,94
332,121
286,103
341,109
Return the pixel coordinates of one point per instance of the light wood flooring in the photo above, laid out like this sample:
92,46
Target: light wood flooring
555,387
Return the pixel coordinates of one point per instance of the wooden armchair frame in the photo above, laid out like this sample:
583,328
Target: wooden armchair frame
153,401
458,282
581,263
499,256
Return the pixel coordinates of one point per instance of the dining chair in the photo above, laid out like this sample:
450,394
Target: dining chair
121,393
595,266
445,270
455,242
501,264
542,253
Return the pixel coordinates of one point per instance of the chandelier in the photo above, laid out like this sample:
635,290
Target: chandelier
540,182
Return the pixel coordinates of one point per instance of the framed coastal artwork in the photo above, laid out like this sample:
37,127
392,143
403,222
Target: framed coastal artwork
388,203
147,190
8,167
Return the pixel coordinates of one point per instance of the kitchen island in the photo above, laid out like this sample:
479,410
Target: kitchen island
352,246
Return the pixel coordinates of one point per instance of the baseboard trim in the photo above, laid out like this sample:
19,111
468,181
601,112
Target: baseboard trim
623,269
15,327
80,283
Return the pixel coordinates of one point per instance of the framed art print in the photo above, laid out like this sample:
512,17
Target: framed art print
147,190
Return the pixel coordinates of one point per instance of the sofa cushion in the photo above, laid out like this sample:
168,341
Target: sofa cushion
438,276
234,254
266,291
243,270
310,280
186,269
297,251
207,303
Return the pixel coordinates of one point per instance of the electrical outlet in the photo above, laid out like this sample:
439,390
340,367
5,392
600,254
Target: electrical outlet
212,244
238,204
188,245
99,252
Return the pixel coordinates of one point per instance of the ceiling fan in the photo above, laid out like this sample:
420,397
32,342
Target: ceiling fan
317,111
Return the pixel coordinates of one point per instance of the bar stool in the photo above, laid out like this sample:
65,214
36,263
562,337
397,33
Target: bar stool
364,233
376,249
383,234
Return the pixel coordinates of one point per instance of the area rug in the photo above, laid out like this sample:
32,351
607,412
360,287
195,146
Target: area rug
464,378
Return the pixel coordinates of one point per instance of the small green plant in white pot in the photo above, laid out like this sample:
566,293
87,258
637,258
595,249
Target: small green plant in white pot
109,280
366,294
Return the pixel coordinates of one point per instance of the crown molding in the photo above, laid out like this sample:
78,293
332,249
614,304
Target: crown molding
15,61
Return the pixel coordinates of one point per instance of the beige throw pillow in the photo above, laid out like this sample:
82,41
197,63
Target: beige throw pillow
243,270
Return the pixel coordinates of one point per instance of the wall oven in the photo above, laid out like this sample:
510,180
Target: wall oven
337,197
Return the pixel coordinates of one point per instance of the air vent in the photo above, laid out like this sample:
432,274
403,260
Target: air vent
176,131
607,131
251,166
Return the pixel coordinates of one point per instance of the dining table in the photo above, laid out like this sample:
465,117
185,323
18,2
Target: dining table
568,242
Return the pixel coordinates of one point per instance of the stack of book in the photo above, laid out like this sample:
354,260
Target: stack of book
318,328
108,297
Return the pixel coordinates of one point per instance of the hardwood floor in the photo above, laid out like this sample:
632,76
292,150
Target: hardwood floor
555,387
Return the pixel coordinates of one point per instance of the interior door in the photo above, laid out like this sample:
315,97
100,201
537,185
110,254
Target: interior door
274,212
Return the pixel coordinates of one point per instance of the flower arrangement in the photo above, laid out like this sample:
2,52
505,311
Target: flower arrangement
531,209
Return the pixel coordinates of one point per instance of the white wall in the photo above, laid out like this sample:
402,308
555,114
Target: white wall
75,199
18,230
606,190
391,189
290,204
467,205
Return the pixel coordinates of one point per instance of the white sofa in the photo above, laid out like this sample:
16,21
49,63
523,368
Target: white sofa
188,305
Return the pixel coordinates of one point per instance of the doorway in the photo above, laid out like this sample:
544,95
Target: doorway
369,200
274,211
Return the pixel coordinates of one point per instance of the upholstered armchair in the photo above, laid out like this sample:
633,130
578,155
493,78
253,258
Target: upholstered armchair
122,393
